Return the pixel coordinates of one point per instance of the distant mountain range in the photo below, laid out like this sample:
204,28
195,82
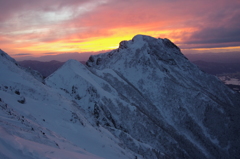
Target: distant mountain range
60,57
218,68
45,68
228,57
214,68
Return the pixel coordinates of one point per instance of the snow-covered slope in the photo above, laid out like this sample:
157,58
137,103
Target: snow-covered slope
143,100
39,122
30,71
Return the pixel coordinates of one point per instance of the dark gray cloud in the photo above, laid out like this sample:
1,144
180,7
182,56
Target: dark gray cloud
215,35
209,45
218,28
223,57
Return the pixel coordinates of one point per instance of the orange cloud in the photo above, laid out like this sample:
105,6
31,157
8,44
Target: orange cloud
83,26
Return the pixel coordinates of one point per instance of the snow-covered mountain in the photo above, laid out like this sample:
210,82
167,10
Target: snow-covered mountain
38,122
142,100
195,109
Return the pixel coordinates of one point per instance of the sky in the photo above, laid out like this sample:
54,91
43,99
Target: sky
48,27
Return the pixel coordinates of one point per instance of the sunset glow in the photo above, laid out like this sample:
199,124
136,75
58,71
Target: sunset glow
60,26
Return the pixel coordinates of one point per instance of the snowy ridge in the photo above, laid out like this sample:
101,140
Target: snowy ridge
5,58
39,122
4,55
142,100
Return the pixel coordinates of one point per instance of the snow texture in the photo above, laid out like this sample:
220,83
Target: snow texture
142,100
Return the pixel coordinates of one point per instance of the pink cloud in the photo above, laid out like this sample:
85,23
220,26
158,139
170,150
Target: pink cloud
213,22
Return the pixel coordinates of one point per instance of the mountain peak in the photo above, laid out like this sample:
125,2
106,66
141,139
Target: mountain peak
72,62
137,41
69,67
141,37
141,48
165,42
